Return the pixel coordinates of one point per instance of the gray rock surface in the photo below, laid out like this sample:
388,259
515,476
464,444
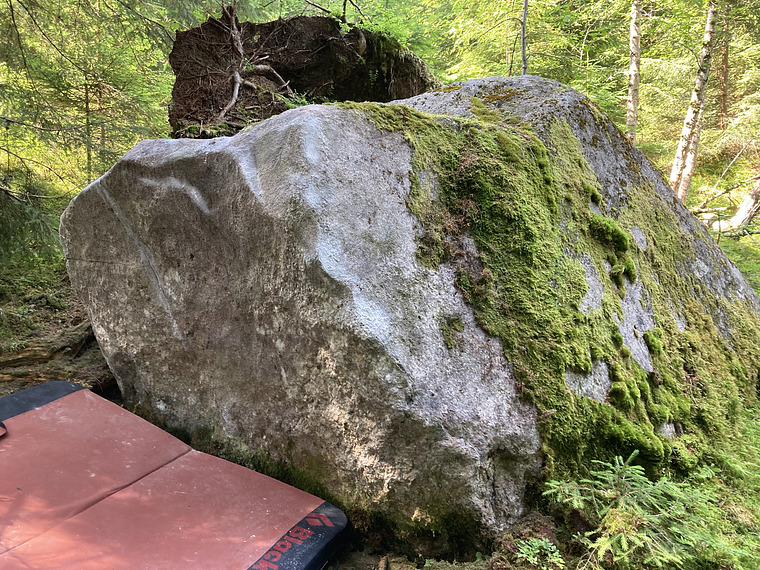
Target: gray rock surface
593,385
267,285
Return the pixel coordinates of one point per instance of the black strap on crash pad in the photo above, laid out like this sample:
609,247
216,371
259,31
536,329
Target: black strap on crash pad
34,397
309,545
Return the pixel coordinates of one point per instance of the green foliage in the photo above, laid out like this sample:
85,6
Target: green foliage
642,523
653,340
745,253
607,231
29,211
299,100
34,291
541,553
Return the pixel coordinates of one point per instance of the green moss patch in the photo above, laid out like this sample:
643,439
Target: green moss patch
533,211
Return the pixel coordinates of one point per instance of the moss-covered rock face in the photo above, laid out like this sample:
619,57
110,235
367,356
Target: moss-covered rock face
413,313
625,324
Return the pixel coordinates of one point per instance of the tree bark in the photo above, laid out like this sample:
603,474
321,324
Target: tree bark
523,37
695,104
88,130
748,209
691,157
633,72
725,40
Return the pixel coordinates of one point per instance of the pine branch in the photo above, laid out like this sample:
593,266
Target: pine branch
24,162
51,42
167,32
36,127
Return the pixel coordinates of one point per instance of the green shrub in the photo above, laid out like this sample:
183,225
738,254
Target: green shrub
541,553
641,523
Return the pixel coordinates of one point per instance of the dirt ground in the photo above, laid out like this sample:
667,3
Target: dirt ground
47,336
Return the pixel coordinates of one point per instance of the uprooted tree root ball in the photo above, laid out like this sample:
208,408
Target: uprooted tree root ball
230,74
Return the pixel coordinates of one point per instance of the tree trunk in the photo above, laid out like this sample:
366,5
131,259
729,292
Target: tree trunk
102,129
691,157
88,130
725,40
523,37
695,104
633,72
747,209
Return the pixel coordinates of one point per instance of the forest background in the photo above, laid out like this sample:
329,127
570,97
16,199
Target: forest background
82,81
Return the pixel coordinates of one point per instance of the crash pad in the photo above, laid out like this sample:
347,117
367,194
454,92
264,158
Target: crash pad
85,484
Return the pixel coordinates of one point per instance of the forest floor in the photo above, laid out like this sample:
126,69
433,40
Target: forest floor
45,333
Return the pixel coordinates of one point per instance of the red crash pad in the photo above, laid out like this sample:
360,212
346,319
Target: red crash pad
85,484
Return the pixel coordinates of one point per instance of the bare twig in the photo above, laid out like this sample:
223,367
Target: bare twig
30,160
749,235
318,6
740,233
263,69
714,193
355,5
714,196
23,124
710,210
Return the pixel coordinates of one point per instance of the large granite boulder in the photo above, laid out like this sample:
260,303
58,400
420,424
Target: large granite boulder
416,314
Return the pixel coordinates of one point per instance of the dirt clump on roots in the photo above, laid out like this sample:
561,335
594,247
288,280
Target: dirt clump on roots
230,74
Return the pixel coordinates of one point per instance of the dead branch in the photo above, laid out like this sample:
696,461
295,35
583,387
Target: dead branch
24,161
266,70
318,6
716,195
8,121
710,210
233,100
741,233
355,5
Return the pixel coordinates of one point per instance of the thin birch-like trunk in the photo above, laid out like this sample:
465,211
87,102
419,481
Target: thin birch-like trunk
634,72
747,209
695,104
725,40
691,158
523,38
88,130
